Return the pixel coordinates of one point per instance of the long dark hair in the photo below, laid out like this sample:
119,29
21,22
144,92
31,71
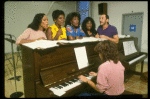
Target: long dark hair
70,17
36,22
87,19
108,50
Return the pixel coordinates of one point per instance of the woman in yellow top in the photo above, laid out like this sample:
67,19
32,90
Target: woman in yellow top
56,31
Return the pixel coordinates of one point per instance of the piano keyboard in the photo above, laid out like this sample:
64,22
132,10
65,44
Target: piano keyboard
134,60
62,88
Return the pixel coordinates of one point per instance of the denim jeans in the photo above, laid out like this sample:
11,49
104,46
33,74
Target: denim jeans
91,94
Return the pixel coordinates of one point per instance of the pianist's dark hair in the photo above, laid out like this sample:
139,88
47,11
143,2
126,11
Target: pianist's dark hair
36,22
56,14
87,19
108,50
70,17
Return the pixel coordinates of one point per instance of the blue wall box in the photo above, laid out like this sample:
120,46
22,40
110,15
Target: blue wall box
132,28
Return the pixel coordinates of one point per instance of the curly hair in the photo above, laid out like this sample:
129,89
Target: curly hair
56,14
87,19
108,50
70,17
36,22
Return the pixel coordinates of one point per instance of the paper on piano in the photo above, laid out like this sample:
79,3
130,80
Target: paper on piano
84,39
123,36
81,57
129,47
41,44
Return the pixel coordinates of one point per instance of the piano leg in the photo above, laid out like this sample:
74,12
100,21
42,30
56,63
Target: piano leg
142,67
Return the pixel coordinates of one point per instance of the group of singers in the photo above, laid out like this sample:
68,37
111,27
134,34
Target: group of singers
40,29
110,76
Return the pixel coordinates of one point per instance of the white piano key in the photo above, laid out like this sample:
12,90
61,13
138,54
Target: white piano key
70,86
136,59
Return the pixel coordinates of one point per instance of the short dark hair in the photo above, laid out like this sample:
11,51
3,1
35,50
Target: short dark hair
70,17
108,50
87,19
56,14
36,21
107,17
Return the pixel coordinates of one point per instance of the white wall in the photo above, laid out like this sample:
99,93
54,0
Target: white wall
19,14
115,9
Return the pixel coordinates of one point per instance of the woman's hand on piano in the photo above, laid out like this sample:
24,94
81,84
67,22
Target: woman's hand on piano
83,78
93,74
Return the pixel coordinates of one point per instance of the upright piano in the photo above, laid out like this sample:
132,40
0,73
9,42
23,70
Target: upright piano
57,68
132,59
53,67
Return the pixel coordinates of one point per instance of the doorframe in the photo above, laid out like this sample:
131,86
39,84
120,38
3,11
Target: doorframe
133,13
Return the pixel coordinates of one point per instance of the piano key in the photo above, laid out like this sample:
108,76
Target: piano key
70,84
136,59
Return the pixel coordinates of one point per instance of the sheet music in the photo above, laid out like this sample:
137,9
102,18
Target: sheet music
84,39
129,47
41,44
123,36
81,57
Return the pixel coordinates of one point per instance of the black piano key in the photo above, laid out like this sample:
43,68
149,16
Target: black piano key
64,84
70,82
86,75
59,86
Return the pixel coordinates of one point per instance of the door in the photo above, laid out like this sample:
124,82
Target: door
132,25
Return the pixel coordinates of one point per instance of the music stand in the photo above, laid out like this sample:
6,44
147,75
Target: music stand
15,94
13,41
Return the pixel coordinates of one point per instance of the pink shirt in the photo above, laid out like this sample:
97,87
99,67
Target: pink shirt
110,78
30,34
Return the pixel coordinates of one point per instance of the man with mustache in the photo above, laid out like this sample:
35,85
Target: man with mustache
107,31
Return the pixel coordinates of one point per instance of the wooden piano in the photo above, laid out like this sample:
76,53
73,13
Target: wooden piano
53,67
131,59
43,69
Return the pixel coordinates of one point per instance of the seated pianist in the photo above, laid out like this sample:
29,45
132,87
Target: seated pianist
110,76
56,31
72,25
107,31
35,30
88,26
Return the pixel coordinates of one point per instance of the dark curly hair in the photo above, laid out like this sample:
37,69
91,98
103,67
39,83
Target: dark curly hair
70,17
108,50
87,19
36,22
56,14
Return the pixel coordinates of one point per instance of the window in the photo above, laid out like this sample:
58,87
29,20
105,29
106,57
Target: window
83,9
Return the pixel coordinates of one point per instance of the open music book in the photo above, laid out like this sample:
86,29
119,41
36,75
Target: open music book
81,57
129,47
41,44
84,39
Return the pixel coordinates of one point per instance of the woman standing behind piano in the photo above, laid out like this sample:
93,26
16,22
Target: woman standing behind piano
72,25
88,26
35,30
56,31
110,76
